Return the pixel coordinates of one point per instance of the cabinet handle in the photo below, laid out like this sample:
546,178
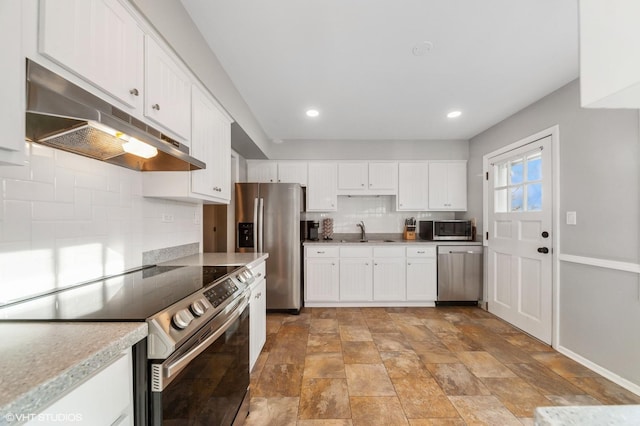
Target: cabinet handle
408,263
259,274
420,252
366,264
319,252
134,92
375,264
156,107
362,184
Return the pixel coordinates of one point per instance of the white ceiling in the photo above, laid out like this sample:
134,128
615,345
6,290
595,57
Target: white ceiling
352,60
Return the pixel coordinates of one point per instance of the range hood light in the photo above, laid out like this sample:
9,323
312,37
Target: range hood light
139,148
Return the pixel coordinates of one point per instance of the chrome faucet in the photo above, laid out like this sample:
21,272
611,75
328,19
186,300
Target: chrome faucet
363,234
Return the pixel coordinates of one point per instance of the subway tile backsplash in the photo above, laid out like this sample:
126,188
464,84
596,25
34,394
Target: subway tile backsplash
66,219
377,212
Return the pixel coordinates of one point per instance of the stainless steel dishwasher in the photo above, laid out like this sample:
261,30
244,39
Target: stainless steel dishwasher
459,275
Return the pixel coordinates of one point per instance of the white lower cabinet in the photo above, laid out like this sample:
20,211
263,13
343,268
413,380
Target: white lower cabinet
356,274
105,398
389,274
257,319
321,274
422,274
370,275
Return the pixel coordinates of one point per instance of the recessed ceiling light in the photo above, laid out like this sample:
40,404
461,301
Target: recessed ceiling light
313,113
454,114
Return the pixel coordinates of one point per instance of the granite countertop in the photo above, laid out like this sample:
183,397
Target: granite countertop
596,415
41,361
218,259
387,239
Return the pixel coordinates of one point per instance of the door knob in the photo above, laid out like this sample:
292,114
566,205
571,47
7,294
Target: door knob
543,250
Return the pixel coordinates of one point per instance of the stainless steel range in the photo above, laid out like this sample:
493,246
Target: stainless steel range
194,366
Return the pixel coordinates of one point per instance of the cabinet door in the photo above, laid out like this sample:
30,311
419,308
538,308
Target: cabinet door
167,99
321,282
389,279
257,321
356,280
211,143
262,171
457,185
383,176
321,187
413,186
353,176
422,279
12,89
99,41
292,172
448,186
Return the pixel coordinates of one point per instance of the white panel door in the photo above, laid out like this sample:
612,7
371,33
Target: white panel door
383,176
262,171
457,185
353,176
356,280
321,187
167,99
520,238
389,282
413,186
422,279
321,280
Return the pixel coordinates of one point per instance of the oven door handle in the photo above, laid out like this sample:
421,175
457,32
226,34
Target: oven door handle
176,366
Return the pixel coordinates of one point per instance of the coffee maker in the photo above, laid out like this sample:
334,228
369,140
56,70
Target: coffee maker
311,230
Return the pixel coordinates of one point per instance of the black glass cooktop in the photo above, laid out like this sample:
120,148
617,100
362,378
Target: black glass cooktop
134,296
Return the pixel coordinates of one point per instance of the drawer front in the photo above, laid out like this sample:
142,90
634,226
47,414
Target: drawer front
425,251
331,251
388,251
356,251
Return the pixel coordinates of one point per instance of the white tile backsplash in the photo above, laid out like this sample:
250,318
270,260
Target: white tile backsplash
377,212
65,219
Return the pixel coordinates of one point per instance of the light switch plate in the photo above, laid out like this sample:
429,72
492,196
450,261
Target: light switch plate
571,218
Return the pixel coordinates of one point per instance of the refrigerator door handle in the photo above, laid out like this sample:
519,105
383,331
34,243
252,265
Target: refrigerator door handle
256,224
261,225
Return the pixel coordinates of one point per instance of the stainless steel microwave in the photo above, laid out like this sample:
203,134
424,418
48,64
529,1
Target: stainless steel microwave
445,230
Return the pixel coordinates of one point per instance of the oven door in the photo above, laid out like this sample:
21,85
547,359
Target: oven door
206,381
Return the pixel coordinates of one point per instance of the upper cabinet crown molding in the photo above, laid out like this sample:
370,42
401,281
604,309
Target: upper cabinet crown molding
609,63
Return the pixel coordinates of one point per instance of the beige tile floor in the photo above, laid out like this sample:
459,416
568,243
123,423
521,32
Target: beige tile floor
412,366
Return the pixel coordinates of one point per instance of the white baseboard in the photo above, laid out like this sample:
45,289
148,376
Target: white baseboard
632,387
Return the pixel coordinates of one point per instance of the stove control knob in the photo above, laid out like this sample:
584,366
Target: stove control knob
182,319
241,278
198,308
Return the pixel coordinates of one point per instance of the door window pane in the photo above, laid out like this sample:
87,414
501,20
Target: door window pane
534,197
501,173
517,199
534,167
501,197
517,169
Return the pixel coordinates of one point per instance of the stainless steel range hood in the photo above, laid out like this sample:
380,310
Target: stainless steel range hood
62,115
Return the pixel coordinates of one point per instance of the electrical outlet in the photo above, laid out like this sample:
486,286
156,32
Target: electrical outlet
571,218
196,219
167,218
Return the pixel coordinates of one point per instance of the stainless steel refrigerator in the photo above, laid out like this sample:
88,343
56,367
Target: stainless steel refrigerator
268,221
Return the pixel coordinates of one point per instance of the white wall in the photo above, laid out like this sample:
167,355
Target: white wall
599,308
65,219
378,214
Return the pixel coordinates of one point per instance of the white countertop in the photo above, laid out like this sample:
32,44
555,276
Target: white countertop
218,259
40,362
596,415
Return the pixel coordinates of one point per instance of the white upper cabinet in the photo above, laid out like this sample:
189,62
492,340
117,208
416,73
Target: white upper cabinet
270,171
99,41
211,142
353,177
367,178
263,171
609,60
12,89
167,98
321,187
413,186
292,172
448,186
